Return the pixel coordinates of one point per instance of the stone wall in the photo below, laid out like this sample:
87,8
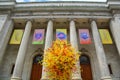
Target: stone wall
12,50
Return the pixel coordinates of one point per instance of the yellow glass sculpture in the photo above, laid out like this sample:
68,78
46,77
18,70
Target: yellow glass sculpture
59,60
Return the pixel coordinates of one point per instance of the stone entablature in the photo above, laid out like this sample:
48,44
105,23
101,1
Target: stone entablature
47,6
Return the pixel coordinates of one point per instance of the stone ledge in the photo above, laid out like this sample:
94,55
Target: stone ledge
106,78
15,78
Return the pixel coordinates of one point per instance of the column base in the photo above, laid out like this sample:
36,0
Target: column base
106,78
76,78
15,78
44,79
71,79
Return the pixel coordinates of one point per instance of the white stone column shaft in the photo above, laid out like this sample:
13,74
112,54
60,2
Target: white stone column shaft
49,35
115,29
105,75
17,74
74,43
6,27
48,43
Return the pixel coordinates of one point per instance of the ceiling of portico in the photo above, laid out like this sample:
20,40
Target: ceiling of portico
61,23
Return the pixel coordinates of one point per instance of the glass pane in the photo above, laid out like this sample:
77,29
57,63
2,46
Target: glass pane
84,60
37,59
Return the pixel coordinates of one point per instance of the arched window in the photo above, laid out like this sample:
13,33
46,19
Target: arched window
84,59
37,59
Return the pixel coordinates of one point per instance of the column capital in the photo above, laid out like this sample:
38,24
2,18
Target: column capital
113,18
29,23
31,20
72,19
92,19
52,19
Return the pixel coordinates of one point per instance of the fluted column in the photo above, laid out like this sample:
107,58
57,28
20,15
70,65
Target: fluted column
73,40
105,75
17,74
48,43
115,30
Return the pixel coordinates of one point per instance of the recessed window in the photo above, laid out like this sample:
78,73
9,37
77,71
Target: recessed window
12,69
37,59
110,69
60,0
84,59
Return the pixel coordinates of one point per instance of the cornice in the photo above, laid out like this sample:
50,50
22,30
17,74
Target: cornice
58,16
62,13
114,4
61,6
7,5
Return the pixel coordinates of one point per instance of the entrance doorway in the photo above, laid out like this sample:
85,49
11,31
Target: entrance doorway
36,68
86,73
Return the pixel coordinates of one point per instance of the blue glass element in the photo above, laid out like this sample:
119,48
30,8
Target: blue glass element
37,58
61,35
38,35
84,59
84,35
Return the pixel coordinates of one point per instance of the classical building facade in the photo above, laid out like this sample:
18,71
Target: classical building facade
98,61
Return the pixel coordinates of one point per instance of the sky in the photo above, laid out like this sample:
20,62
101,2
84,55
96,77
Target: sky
58,0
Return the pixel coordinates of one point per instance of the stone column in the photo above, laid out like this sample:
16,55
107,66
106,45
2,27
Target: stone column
115,29
48,43
105,75
49,35
73,40
17,74
6,27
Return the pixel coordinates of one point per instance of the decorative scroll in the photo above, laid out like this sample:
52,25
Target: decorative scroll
17,36
84,36
61,34
105,36
38,37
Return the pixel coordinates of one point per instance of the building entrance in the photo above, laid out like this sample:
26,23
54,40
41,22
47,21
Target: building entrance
86,73
36,68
